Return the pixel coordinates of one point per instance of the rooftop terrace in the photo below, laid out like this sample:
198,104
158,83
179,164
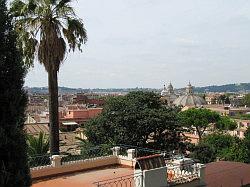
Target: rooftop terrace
117,166
85,178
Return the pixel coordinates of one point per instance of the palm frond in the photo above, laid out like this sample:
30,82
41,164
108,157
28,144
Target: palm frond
27,47
62,3
64,11
75,33
37,145
43,26
16,8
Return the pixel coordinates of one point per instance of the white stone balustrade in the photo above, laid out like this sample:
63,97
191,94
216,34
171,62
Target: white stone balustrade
131,153
56,160
57,166
116,151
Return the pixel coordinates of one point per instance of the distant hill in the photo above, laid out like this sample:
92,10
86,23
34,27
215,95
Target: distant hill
66,90
61,90
223,88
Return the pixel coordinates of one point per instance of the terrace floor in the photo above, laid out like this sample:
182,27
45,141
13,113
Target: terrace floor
84,178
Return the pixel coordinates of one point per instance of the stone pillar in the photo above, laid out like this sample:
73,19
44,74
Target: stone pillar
116,151
201,172
131,153
56,160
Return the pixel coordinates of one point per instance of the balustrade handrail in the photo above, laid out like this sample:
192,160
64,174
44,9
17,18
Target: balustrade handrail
181,173
121,180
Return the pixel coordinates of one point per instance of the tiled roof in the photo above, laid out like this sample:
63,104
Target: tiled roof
36,128
229,174
150,162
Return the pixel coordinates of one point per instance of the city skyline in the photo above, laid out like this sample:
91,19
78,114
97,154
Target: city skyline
150,43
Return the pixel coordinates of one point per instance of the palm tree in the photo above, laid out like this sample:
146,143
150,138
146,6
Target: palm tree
46,28
37,145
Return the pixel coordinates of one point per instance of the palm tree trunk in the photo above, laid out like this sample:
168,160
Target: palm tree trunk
53,111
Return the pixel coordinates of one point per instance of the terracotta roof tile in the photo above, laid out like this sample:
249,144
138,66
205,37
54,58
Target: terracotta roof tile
227,174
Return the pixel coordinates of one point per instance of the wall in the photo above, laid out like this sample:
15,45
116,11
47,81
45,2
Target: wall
123,160
85,113
93,112
155,177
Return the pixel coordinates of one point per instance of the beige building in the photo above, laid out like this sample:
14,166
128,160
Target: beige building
211,99
242,126
228,110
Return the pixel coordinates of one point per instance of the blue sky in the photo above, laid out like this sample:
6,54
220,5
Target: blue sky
147,43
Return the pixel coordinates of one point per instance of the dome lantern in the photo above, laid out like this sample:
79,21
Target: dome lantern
189,89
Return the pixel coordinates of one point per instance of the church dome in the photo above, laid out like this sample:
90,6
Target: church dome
164,92
168,95
189,99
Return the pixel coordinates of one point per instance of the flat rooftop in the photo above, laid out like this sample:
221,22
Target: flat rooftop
84,178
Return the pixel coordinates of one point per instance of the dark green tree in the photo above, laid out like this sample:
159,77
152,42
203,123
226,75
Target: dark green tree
204,153
221,99
237,152
136,119
221,146
14,170
218,142
198,119
246,100
225,123
227,100
201,119
204,96
47,28
246,141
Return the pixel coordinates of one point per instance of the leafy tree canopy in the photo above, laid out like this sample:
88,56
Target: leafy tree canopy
14,170
221,99
246,100
136,119
246,142
225,123
221,146
204,153
198,119
43,27
202,119
241,116
218,141
238,152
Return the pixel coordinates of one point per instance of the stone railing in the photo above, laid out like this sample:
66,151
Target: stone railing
57,168
173,174
134,180
179,174
56,165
